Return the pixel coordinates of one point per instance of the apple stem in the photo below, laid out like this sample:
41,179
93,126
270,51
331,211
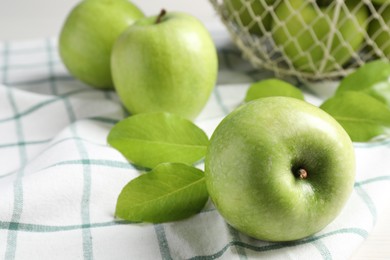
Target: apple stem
160,16
302,174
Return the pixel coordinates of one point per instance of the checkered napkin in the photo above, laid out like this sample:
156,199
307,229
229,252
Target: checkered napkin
59,180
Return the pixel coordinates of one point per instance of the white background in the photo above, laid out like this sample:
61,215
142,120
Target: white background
26,19
31,19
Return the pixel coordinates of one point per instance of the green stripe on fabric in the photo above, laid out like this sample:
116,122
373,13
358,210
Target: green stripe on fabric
47,141
323,249
236,237
85,207
41,80
375,144
107,163
35,107
86,193
29,65
50,65
366,198
218,97
7,174
371,180
273,246
18,182
162,242
37,228
95,162
27,50
104,120
24,143
368,202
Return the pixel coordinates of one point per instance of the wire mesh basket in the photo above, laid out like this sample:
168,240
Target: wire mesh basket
309,39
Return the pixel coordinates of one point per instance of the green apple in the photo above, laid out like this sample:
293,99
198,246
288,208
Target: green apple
87,37
319,36
279,169
165,63
378,33
250,13
380,1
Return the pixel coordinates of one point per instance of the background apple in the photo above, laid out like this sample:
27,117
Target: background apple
88,34
279,168
378,33
303,31
243,12
165,63
380,1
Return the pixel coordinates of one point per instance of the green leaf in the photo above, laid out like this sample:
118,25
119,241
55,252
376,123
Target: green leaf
272,87
150,139
362,116
373,78
170,192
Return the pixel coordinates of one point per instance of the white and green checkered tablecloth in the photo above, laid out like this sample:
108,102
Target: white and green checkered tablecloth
59,180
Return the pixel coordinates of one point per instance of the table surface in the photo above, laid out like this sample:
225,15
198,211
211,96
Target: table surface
24,20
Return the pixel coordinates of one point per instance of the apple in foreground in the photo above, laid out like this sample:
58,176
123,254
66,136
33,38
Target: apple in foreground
88,34
279,169
165,63
244,13
378,33
319,35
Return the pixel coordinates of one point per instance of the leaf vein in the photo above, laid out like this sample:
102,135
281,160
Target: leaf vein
168,194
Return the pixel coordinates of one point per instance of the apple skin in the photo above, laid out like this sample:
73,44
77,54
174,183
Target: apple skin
378,34
379,1
303,22
245,18
252,162
170,66
87,37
